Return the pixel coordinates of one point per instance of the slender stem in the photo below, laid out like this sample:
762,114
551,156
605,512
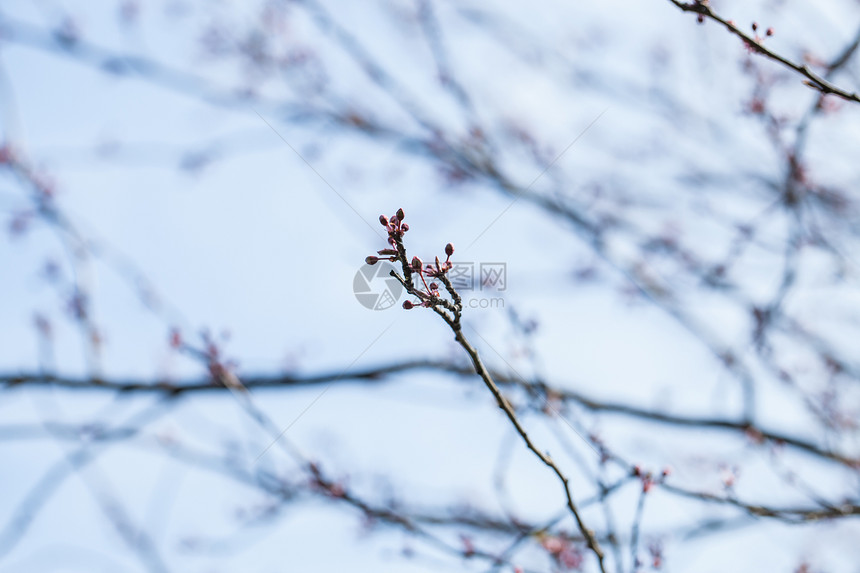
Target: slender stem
438,305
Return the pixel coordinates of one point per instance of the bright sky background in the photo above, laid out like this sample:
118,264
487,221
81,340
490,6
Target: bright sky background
259,245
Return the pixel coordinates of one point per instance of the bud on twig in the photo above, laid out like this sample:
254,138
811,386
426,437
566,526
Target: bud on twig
371,260
400,214
449,249
416,264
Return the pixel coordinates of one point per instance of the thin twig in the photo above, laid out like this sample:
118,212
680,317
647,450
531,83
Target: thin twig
813,80
451,313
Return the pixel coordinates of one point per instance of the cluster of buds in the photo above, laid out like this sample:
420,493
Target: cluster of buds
219,367
648,479
756,38
7,154
176,341
655,548
768,33
563,551
704,4
319,482
597,442
468,546
754,435
396,228
435,271
42,185
729,476
78,306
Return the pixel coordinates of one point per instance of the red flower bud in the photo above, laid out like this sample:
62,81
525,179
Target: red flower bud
404,227
384,220
387,252
769,32
754,27
416,264
408,305
400,214
371,260
449,249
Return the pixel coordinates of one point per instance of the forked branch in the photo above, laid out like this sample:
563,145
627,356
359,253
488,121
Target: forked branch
451,312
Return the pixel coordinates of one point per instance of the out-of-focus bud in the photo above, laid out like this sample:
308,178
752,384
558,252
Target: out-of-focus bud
175,339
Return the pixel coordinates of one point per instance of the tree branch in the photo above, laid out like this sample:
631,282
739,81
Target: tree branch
813,80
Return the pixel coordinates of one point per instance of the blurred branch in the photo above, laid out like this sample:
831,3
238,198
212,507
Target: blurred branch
471,159
28,507
119,64
384,373
754,44
789,514
476,159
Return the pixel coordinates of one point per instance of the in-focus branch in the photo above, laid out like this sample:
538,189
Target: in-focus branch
451,312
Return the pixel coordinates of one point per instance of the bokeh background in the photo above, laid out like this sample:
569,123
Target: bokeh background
192,185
